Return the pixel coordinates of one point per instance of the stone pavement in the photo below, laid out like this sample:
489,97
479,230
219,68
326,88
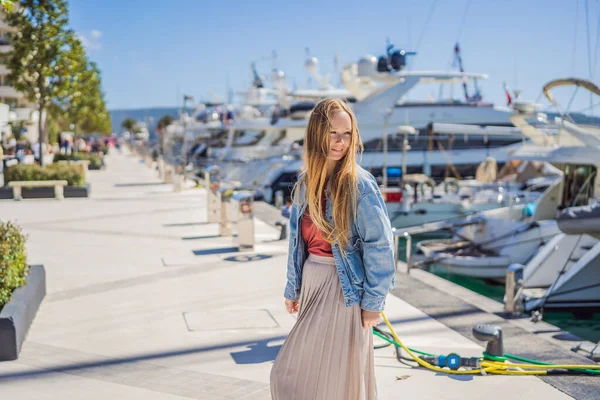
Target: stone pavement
145,301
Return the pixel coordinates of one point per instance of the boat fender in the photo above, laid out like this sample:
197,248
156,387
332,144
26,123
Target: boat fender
421,186
529,209
451,185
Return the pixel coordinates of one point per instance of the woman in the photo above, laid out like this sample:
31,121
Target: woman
340,267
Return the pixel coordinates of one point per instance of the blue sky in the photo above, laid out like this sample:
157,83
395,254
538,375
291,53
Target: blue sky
150,52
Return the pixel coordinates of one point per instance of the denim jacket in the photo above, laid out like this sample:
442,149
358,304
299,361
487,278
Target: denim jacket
367,270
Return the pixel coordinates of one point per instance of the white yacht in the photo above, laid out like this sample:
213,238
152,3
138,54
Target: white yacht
381,110
565,273
514,234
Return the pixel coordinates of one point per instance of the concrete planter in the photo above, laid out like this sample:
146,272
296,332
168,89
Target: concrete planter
46,192
17,316
77,191
6,193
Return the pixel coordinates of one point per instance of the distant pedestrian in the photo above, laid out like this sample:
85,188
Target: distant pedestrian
340,268
287,208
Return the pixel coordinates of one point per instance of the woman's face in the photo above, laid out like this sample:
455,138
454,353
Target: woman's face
340,135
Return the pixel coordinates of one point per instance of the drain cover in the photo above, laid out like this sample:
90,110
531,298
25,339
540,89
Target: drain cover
229,319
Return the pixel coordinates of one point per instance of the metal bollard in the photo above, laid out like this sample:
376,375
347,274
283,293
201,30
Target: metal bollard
245,220
178,180
408,251
168,174
161,168
408,239
279,199
512,300
213,196
225,220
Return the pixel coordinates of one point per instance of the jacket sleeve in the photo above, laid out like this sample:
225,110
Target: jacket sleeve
292,287
375,231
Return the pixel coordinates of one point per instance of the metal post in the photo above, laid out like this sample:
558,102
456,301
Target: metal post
212,184
396,247
279,198
404,149
514,273
388,114
385,150
408,239
224,223
408,251
161,168
245,220
404,131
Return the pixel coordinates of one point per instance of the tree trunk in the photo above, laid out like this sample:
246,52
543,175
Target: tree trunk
41,137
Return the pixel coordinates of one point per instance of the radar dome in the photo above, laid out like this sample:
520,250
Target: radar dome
311,63
367,66
277,75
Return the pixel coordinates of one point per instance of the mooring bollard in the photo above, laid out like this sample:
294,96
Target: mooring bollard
213,196
161,168
279,199
178,179
245,220
168,174
225,219
512,301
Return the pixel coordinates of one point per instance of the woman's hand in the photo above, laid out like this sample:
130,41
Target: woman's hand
370,318
292,306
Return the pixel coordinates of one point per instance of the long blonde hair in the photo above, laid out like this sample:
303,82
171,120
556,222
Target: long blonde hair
343,183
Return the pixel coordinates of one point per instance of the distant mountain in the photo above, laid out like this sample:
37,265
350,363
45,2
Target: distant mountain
148,115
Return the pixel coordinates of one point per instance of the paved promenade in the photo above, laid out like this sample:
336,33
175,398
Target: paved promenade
145,301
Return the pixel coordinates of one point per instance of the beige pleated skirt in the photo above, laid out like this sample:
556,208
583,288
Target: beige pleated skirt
327,355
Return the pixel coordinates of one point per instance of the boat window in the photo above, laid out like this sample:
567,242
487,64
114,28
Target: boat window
247,137
218,138
447,142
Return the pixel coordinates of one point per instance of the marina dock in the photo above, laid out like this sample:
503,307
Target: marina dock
146,301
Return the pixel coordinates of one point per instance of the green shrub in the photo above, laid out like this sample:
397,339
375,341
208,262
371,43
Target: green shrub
93,158
13,263
73,174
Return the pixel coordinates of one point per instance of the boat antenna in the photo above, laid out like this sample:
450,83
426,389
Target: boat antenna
429,15
257,81
309,82
575,38
464,18
458,61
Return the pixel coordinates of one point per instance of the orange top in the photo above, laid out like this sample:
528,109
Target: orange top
312,236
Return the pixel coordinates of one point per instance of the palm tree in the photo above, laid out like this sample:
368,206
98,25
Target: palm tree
164,121
129,124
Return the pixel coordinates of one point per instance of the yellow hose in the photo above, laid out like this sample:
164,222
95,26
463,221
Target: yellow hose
534,366
487,366
495,368
426,364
